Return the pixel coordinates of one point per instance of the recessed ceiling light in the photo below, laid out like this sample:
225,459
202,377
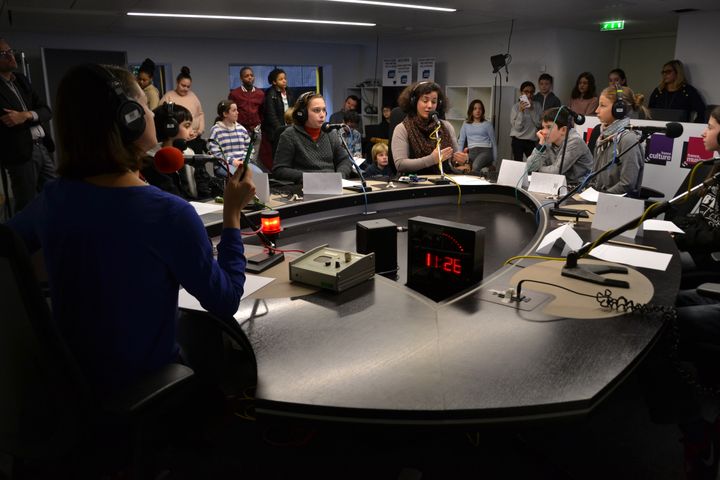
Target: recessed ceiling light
251,19
399,5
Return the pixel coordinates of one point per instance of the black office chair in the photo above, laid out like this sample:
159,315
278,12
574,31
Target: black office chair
49,418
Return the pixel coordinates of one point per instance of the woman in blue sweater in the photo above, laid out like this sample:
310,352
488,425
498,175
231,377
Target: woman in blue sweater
480,137
117,249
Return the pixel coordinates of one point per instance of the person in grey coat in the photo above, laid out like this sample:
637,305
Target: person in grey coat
625,177
304,147
547,156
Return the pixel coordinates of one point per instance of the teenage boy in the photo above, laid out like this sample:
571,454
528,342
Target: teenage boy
547,156
352,103
545,97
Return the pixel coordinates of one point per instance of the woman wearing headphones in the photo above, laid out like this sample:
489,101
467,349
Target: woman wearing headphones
117,249
413,149
625,177
304,147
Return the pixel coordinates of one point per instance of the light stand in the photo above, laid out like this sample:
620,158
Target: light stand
262,261
592,273
566,212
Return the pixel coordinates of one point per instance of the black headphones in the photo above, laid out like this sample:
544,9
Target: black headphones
300,112
619,109
414,98
129,114
169,127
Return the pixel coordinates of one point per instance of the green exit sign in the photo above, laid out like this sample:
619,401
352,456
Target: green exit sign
612,25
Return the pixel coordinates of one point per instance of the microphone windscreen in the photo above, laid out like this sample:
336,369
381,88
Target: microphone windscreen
580,119
180,144
674,130
325,127
169,160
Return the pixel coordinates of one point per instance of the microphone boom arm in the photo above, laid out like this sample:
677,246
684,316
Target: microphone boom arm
586,273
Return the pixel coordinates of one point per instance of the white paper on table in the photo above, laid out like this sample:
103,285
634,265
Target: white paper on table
613,211
350,183
589,195
203,208
549,183
661,226
468,180
322,183
253,283
262,186
632,256
510,173
565,233
358,160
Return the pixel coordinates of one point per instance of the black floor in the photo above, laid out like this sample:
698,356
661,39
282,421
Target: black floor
617,441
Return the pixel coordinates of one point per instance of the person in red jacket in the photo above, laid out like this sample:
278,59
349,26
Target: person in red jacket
249,100
250,103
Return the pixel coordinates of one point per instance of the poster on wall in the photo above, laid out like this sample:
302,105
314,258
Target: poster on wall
404,71
426,69
694,152
659,149
389,72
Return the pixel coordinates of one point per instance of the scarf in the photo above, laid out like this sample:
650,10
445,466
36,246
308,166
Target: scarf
419,141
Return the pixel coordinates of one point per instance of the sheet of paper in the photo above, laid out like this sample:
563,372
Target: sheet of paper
613,211
322,183
468,180
661,226
350,183
565,233
253,283
590,195
549,183
203,208
632,256
510,173
358,160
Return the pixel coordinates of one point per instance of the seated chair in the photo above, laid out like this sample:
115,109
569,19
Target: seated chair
49,419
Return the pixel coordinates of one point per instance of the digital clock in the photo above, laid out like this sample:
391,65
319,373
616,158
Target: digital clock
444,258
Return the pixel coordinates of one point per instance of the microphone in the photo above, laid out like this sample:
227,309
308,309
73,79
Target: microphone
434,116
671,130
327,127
168,160
578,118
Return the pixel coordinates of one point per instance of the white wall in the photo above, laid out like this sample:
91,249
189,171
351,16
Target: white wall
697,48
208,59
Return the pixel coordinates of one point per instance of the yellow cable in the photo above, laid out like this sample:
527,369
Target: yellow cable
459,202
536,257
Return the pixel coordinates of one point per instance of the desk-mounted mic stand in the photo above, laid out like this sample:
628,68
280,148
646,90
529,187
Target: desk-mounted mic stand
567,212
593,273
363,187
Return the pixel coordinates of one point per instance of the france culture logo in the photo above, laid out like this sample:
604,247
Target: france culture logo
659,150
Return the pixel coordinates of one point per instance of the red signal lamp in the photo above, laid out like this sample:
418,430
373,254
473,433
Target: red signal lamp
270,222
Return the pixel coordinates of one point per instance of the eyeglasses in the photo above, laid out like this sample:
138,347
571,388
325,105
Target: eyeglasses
7,53
667,72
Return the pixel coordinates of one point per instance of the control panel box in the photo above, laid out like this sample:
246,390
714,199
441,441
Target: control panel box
332,269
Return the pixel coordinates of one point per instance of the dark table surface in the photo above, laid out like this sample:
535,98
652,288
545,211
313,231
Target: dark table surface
381,352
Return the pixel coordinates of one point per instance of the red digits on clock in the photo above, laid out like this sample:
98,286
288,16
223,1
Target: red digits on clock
447,264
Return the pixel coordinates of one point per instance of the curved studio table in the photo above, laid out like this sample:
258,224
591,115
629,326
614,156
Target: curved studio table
382,353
